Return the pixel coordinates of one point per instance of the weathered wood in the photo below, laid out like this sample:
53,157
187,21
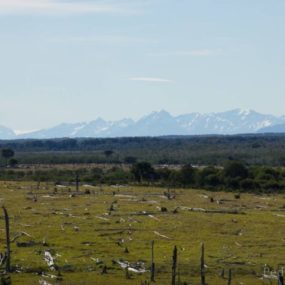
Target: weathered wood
280,279
174,266
222,274
230,277
202,265
152,268
77,182
50,260
163,236
8,249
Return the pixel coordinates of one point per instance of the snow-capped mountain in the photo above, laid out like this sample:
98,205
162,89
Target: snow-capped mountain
161,123
231,122
97,128
280,128
156,124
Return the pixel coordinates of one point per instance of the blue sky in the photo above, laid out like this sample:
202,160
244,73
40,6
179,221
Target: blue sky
70,61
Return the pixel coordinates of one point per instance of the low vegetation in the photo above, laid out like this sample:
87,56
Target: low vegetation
180,211
63,236
234,176
266,150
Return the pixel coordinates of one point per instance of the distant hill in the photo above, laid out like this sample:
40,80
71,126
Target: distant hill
161,123
6,133
273,129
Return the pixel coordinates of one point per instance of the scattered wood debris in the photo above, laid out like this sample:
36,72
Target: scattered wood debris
137,267
49,260
163,236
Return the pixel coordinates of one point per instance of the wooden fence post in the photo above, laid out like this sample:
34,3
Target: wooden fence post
280,279
222,274
152,268
8,249
202,265
174,266
77,182
230,277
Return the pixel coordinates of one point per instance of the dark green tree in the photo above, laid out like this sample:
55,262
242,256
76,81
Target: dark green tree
7,153
130,159
143,171
12,162
108,153
235,169
187,175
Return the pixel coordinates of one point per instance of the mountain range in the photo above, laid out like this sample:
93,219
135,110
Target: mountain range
162,123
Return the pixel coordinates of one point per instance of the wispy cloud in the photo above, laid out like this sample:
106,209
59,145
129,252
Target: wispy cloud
194,53
59,7
151,79
98,39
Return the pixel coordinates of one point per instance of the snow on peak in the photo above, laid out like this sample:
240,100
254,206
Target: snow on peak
244,112
161,123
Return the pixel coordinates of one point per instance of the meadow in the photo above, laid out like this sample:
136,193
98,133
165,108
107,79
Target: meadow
93,232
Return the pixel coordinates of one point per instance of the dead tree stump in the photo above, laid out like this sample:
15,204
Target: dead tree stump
174,266
280,279
77,182
202,265
8,249
152,268
230,277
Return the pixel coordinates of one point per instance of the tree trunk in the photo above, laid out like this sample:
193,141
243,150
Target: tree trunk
8,249
202,266
77,182
174,266
280,279
152,268
230,277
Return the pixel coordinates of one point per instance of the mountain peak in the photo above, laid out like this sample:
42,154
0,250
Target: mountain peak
160,123
244,112
159,114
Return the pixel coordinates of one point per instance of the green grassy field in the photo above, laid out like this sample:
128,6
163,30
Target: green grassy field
83,234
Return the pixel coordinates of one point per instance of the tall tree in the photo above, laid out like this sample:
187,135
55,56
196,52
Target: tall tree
108,153
143,171
7,153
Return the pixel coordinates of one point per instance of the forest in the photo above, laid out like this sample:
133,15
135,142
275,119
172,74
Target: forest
266,150
227,163
234,176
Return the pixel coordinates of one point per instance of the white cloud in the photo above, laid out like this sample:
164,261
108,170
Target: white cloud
151,79
58,7
109,39
194,53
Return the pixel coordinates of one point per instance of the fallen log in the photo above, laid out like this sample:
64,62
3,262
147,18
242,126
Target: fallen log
160,235
214,211
137,267
49,260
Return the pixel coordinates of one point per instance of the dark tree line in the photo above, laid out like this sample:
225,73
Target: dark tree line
7,154
198,150
234,176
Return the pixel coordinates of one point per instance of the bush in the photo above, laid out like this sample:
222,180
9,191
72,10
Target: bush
235,169
187,175
249,184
